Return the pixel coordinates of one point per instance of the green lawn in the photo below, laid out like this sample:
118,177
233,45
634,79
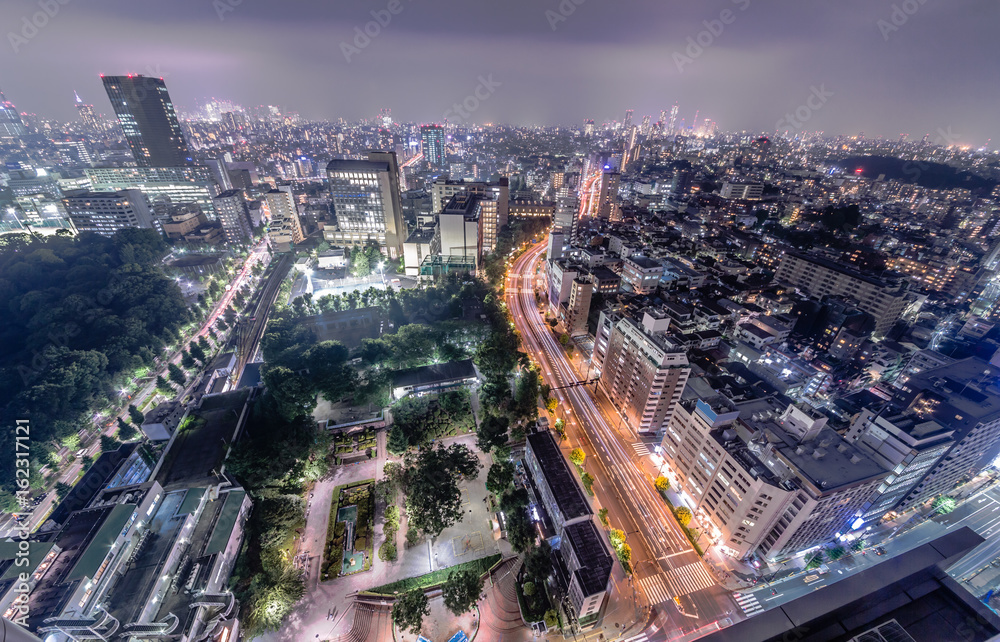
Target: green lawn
481,566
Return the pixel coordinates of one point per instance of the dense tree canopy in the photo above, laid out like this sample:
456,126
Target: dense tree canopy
433,496
461,591
80,316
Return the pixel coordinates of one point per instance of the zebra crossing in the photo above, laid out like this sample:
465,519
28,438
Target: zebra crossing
748,602
640,449
642,637
690,578
655,589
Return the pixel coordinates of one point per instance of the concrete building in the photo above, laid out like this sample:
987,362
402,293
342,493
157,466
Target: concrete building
584,568
906,445
641,274
771,477
883,299
495,204
367,203
561,273
458,233
178,221
523,210
285,230
644,371
231,209
417,248
161,422
148,120
608,204
174,185
742,191
963,397
107,212
574,314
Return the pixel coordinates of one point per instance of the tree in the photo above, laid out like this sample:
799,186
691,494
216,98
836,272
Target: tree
163,386
500,477
662,484
126,432
109,444
577,456
520,532
409,610
397,442
684,515
528,588
387,551
492,432
837,552
617,538
137,417
588,482
461,591
551,404
198,352
858,545
538,562
293,394
943,504
551,619
603,514
434,497
62,489
188,361
176,374
204,344
329,371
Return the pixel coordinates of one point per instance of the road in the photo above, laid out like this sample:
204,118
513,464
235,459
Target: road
666,566
981,513
70,474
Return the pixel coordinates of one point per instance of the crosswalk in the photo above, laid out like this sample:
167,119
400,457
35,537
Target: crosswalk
690,578
748,602
655,589
642,637
640,449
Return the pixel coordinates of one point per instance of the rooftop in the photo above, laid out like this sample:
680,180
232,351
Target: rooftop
827,461
434,374
356,166
588,544
558,476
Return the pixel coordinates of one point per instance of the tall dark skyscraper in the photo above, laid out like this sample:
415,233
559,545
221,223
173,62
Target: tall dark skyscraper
11,125
432,140
148,120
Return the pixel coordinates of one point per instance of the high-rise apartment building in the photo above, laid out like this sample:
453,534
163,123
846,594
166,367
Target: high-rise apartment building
885,300
285,229
11,125
432,143
644,371
231,210
367,203
742,191
963,397
107,212
148,120
773,479
608,207
905,444
578,307
457,236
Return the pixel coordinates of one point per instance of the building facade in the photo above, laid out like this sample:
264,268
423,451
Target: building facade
148,120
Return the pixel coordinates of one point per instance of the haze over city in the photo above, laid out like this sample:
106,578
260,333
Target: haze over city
413,321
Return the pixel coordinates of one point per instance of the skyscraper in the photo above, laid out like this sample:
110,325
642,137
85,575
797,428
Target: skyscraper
87,115
628,120
148,120
11,125
432,141
672,125
644,130
285,229
231,208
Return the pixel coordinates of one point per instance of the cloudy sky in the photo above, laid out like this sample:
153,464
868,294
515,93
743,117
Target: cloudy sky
882,66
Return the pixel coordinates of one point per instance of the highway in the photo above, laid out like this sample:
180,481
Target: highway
666,566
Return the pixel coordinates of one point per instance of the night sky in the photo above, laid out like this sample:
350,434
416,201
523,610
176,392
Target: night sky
930,66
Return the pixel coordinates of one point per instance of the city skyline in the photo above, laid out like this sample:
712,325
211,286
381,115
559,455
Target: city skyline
884,68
